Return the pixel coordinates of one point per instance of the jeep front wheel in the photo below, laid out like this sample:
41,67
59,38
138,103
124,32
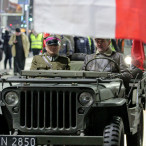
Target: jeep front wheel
137,138
114,133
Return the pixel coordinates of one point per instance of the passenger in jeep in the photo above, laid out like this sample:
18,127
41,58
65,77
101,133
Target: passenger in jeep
51,59
104,64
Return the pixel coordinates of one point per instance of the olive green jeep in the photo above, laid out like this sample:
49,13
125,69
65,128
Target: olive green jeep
71,108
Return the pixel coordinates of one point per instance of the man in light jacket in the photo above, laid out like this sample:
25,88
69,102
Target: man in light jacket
20,50
106,65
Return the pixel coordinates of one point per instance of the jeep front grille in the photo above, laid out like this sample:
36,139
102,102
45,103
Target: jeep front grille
48,110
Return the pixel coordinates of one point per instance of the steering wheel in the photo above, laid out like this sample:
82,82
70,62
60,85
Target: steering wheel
110,60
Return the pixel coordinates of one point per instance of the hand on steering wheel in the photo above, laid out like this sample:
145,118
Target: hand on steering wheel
110,60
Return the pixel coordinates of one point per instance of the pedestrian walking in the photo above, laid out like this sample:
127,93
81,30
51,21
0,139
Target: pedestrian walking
7,50
20,50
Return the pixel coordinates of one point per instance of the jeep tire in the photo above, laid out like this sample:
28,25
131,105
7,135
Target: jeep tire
114,133
137,138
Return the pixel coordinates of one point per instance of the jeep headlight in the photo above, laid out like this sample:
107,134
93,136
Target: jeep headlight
11,98
85,99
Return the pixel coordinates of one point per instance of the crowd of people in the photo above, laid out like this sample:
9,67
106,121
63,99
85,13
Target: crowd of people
48,49
18,45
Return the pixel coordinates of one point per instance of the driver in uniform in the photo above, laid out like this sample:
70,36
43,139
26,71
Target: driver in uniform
106,65
51,59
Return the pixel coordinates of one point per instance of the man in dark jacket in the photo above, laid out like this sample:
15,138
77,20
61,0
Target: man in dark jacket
7,50
84,45
106,65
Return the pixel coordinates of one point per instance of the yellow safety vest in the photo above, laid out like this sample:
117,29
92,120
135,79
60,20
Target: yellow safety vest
36,41
112,47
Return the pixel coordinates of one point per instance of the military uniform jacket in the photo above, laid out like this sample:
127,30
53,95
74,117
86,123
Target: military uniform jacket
41,62
104,65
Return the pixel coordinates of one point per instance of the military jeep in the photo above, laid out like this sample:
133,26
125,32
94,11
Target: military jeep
71,108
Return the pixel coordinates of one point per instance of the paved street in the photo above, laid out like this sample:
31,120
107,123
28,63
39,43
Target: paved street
27,67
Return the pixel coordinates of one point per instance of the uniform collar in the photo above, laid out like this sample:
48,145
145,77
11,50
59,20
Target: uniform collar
51,58
108,52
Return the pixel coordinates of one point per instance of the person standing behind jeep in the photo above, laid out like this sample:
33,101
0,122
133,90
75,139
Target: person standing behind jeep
36,42
66,47
51,59
84,45
105,65
20,49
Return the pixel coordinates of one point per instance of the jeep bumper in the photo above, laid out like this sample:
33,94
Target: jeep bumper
52,139
71,140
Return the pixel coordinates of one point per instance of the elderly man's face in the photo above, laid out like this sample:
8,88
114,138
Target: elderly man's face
52,50
102,44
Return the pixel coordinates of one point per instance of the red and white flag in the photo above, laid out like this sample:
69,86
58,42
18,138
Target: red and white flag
137,54
95,18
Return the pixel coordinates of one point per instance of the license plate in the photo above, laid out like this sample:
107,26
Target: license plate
17,141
